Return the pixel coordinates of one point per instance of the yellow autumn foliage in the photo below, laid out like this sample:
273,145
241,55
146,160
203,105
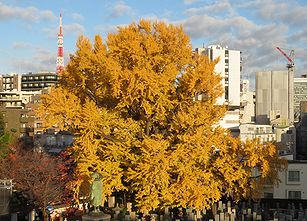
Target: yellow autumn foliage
133,105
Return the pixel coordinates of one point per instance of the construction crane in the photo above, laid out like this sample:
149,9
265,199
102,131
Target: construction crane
290,67
289,58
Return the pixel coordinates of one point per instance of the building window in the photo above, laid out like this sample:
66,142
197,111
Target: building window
268,195
294,176
294,194
226,93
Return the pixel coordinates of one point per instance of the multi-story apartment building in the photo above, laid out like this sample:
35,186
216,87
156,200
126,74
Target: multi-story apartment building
17,122
10,82
229,67
28,81
300,95
38,81
16,99
19,94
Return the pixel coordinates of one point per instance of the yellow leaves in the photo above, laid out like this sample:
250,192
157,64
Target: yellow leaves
132,103
60,108
152,165
200,79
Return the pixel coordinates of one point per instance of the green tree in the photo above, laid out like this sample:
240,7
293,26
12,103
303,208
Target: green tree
132,104
5,139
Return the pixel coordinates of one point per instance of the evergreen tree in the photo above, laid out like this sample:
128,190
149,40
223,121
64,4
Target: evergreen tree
4,138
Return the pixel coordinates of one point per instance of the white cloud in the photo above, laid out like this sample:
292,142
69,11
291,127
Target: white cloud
21,45
74,28
120,9
68,29
257,42
279,11
29,13
216,7
188,2
254,27
103,30
50,32
77,16
41,60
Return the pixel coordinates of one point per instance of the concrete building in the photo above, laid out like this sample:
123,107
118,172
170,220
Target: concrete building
247,104
19,94
286,141
17,122
10,82
293,181
273,98
38,81
54,142
301,138
300,95
229,67
251,131
16,99
283,137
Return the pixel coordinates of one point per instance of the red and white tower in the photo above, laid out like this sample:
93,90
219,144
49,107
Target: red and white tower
60,58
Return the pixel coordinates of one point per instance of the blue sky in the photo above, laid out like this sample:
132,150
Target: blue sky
29,28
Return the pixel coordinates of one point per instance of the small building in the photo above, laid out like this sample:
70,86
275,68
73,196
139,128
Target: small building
52,141
283,137
251,131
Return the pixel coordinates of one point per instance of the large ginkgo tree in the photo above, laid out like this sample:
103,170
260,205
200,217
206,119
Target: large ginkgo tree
143,108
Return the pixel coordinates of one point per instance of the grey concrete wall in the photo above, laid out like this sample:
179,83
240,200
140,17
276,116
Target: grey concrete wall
272,95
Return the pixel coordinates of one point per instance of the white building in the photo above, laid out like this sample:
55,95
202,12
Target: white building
251,131
229,67
283,137
16,99
247,111
293,181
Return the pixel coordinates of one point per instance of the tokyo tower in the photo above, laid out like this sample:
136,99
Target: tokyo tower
60,58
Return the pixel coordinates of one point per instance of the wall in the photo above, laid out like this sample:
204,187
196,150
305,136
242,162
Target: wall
271,95
281,192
